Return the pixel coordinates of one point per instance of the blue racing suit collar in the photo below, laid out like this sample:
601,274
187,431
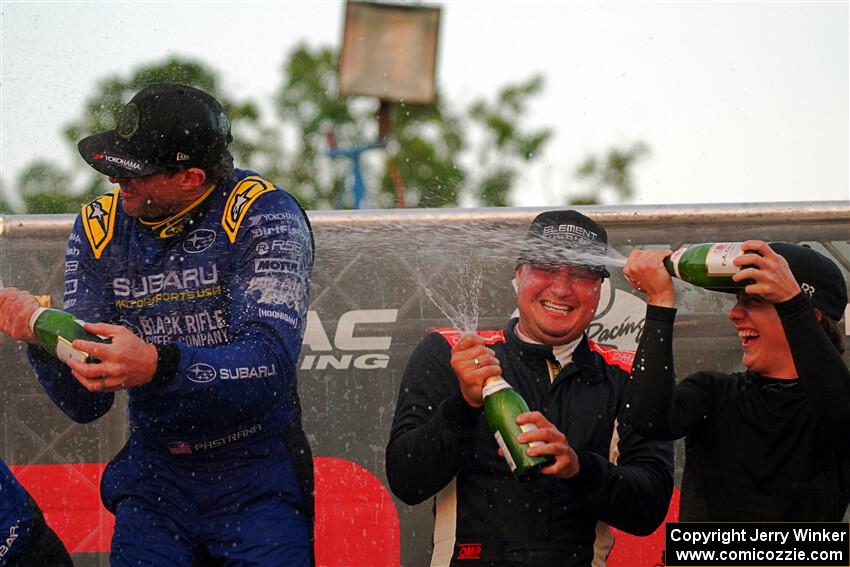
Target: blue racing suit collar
179,222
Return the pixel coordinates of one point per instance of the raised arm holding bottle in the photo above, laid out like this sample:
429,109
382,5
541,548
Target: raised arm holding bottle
771,443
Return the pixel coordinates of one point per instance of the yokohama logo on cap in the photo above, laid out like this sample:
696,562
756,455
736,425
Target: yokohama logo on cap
123,162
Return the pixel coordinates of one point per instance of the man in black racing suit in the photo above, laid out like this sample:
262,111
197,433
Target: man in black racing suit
440,444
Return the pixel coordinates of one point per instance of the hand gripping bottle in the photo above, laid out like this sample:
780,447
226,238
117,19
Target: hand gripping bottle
55,330
502,405
707,265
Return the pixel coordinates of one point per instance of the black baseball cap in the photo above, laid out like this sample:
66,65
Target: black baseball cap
818,276
565,237
164,127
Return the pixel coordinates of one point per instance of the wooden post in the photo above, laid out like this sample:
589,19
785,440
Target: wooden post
385,132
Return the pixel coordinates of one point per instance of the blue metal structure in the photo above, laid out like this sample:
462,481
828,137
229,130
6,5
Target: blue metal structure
358,184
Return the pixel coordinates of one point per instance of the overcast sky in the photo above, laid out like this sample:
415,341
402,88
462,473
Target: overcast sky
738,101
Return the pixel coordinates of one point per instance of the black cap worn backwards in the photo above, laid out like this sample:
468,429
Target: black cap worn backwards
565,237
818,277
164,127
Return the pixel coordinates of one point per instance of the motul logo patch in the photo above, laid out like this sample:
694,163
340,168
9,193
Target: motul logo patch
469,551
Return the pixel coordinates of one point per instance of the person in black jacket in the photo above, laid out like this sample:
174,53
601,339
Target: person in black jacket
771,443
440,444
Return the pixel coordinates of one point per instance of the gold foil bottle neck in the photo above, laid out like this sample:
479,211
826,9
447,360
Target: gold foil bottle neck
491,379
44,300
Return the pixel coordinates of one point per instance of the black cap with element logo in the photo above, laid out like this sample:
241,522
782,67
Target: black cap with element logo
164,127
565,237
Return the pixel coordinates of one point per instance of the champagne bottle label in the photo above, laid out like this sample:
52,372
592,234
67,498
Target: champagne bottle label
505,451
526,427
65,352
718,261
502,404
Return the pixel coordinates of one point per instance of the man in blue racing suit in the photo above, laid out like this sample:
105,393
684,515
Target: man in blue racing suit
198,274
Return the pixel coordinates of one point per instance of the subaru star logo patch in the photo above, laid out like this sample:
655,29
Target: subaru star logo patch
201,373
198,240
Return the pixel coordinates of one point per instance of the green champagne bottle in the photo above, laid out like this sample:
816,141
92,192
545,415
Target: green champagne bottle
502,405
707,265
55,330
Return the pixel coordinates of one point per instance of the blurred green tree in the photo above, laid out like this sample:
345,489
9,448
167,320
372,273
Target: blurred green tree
505,147
444,156
429,147
425,147
45,188
252,141
42,188
308,106
609,175
427,150
5,206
